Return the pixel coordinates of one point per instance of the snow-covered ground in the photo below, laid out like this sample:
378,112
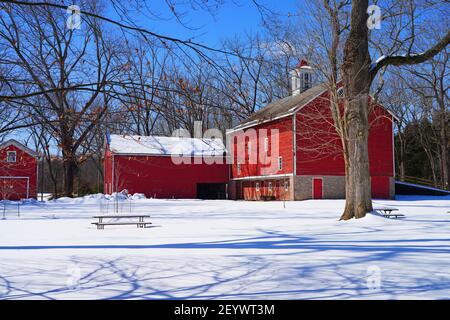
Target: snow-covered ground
225,250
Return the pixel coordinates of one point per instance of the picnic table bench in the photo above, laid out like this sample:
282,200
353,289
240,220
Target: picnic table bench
141,223
387,213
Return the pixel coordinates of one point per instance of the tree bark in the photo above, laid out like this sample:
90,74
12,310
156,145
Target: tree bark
357,80
70,169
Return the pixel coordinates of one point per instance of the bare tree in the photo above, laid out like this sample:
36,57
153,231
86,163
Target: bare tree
358,75
52,59
429,82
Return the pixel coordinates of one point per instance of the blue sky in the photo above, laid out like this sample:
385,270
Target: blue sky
234,17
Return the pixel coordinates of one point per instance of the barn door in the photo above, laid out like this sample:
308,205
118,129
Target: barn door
317,188
14,188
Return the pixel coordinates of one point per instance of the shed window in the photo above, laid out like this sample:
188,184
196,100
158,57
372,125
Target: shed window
11,156
270,186
280,163
286,186
238,168
257,186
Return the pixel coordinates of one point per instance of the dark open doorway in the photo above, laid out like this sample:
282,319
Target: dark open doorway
211,191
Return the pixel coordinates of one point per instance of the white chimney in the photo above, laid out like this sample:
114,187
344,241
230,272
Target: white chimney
301,78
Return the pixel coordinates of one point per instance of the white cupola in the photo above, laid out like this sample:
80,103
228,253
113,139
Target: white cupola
301,77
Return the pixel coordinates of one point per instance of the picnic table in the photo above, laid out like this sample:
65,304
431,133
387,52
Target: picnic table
140,223
387,213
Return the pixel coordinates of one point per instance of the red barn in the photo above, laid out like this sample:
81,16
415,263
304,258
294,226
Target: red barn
166,167
18,171
290,149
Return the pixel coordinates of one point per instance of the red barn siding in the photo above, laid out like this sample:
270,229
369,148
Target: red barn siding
380,187
381,143
284,127
319,148
158,176
318,152
16,177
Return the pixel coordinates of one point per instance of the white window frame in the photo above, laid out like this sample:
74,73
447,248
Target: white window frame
280,163
257,187
270,186
266,144
249,147
8,153
238,168
286,186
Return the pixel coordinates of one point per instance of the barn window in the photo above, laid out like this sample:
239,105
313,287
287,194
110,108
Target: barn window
286,186
280,163
249,148
270,186
238,168
306,83
257,186
266,144
11,156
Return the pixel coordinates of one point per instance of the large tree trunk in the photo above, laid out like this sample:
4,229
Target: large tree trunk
357,80
358,187
70,169
52,176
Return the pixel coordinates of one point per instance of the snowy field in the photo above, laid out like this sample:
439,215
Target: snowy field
225,250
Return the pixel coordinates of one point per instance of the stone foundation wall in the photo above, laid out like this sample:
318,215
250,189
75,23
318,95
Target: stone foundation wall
333,187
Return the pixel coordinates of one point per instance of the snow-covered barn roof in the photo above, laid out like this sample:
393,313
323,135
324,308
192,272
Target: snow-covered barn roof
159,145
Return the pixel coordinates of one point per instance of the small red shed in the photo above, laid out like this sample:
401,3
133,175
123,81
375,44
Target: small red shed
18,171
166,167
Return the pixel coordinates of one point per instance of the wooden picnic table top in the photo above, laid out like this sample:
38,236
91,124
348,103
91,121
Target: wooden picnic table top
119,223
387,209
124,216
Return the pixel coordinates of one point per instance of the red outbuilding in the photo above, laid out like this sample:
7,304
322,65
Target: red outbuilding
166,167
290,149
18,171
